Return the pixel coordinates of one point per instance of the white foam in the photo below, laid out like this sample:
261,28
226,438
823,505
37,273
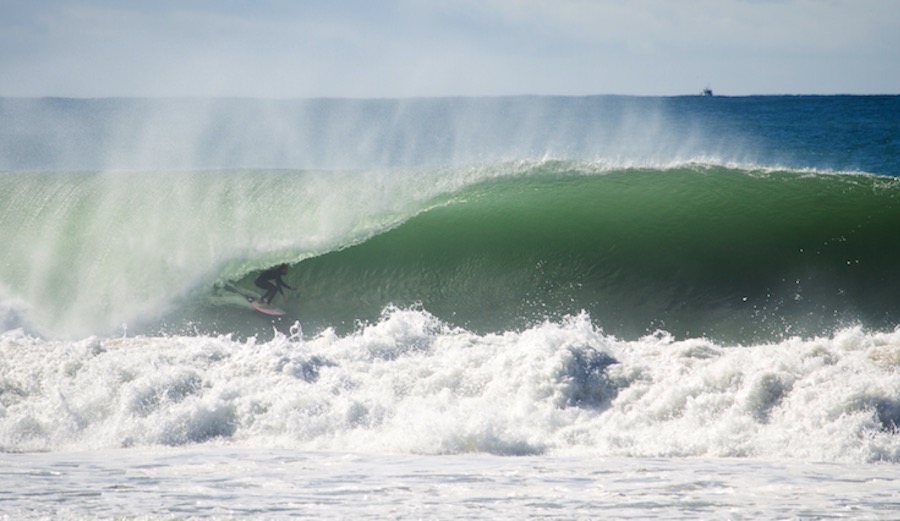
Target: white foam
410,384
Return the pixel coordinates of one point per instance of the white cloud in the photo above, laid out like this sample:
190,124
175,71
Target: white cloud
419,47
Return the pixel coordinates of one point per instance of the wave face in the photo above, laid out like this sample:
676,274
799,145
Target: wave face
731,218
90,251
695,250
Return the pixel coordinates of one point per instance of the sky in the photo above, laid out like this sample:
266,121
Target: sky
412,48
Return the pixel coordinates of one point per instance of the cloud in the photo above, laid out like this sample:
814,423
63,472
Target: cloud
278,48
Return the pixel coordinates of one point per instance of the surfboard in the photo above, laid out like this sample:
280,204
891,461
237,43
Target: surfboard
253,299
267,309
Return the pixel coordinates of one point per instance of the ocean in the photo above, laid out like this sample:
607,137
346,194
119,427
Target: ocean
503,308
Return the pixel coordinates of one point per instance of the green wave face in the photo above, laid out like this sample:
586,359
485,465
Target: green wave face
692,249
711,251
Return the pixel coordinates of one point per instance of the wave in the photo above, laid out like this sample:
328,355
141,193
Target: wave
88,251
513,275
695,249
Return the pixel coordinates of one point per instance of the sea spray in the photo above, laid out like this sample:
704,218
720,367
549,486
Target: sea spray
88,251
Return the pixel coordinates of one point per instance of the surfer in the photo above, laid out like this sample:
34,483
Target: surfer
271,281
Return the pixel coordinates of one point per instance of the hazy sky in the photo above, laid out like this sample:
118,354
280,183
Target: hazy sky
399,48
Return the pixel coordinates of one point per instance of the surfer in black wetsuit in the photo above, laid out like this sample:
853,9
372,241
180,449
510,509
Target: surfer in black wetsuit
271,281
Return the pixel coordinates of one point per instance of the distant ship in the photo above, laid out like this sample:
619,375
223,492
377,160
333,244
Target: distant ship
706,92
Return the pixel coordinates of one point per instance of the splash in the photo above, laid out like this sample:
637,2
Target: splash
409,383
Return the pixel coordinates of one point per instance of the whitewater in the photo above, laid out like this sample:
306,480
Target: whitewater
524,307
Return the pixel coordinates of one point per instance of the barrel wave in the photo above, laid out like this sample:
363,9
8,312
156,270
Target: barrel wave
694,250
737,254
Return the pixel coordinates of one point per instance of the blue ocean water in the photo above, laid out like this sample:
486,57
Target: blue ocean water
563,279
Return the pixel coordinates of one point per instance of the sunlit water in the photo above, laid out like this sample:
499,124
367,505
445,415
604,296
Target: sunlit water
230,483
